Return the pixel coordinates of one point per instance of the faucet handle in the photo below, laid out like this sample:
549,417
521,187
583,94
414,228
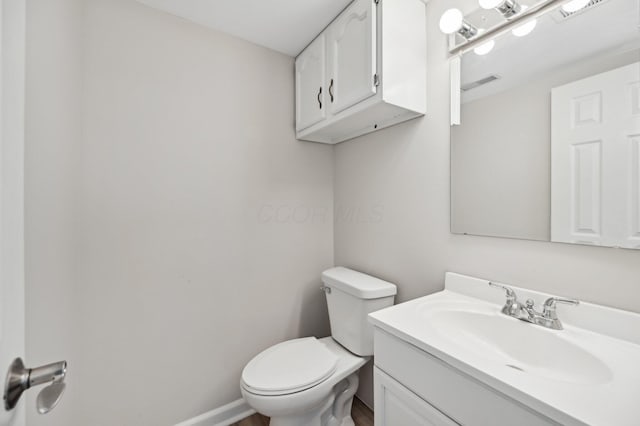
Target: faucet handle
550,306
511,294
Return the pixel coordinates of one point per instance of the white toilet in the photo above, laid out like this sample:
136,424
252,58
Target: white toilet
309,381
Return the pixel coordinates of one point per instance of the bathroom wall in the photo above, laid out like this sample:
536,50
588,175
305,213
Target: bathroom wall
403,172
175,226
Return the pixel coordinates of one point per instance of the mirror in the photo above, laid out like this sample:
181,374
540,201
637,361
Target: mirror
549,142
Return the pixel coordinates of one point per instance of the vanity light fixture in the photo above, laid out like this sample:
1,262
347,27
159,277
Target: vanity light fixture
508,8
522,18
575,5
452,21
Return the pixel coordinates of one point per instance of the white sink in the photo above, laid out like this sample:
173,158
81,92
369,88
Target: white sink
586,374
515,344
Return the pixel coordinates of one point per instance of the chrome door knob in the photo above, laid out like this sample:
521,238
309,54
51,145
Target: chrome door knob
19,379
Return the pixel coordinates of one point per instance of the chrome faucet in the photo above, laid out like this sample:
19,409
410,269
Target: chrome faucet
547,318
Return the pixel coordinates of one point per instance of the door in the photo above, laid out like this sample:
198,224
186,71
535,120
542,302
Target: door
352,55
595,159
397,405
310,77
12,39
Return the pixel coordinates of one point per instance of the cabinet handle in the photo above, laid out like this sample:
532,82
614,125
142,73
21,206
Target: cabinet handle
331,90
319,101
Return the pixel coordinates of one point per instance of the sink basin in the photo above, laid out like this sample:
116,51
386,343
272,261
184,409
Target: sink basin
518,345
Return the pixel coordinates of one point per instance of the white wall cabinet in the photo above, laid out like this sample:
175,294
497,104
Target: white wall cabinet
365,71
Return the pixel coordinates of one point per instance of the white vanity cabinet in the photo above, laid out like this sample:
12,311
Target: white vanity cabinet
412,387
365,71
397,405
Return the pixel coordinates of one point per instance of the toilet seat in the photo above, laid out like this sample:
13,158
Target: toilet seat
289,367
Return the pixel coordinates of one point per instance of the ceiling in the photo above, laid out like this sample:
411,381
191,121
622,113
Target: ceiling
286,26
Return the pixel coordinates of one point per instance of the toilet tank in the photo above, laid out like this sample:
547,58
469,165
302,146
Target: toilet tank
351,296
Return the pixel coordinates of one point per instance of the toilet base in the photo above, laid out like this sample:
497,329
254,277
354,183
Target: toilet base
334,411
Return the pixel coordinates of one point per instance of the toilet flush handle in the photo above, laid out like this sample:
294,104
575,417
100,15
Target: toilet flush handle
325,289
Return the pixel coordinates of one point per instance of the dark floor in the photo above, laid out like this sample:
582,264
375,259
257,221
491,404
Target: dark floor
361,414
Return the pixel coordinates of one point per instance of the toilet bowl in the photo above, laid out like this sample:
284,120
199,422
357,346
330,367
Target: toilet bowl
318,396
312,381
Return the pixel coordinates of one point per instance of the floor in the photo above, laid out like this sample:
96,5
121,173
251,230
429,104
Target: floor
361,414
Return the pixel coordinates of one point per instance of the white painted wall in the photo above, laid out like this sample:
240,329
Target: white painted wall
403,172
500,165
175,227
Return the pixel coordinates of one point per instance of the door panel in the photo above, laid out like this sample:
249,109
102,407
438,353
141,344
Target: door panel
634,196
310,77
12,49
595,160
352,50
586,186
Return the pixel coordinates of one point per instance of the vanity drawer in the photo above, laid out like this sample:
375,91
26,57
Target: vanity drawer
460,397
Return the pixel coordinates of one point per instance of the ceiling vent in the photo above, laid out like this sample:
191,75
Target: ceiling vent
561,15
478,83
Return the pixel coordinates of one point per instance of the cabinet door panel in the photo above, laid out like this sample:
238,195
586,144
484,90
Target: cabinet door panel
396,405
352,53
310,77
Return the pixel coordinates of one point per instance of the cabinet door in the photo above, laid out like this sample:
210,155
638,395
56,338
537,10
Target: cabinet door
396,405
352,52
310,77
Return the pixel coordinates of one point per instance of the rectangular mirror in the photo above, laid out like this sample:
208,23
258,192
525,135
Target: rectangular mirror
549,142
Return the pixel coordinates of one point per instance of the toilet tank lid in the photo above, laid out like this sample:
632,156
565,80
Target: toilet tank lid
357,284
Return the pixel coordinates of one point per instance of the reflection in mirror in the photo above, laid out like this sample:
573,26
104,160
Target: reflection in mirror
549,143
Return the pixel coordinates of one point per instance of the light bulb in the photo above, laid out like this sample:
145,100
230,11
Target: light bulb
451,21
526,28
484,48
574,6
490,4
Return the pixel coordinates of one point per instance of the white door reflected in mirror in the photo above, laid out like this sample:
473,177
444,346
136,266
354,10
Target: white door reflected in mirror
595,160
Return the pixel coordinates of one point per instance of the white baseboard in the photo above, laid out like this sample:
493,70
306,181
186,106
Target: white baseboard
222,416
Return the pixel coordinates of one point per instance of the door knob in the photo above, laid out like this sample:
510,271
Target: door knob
19,379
